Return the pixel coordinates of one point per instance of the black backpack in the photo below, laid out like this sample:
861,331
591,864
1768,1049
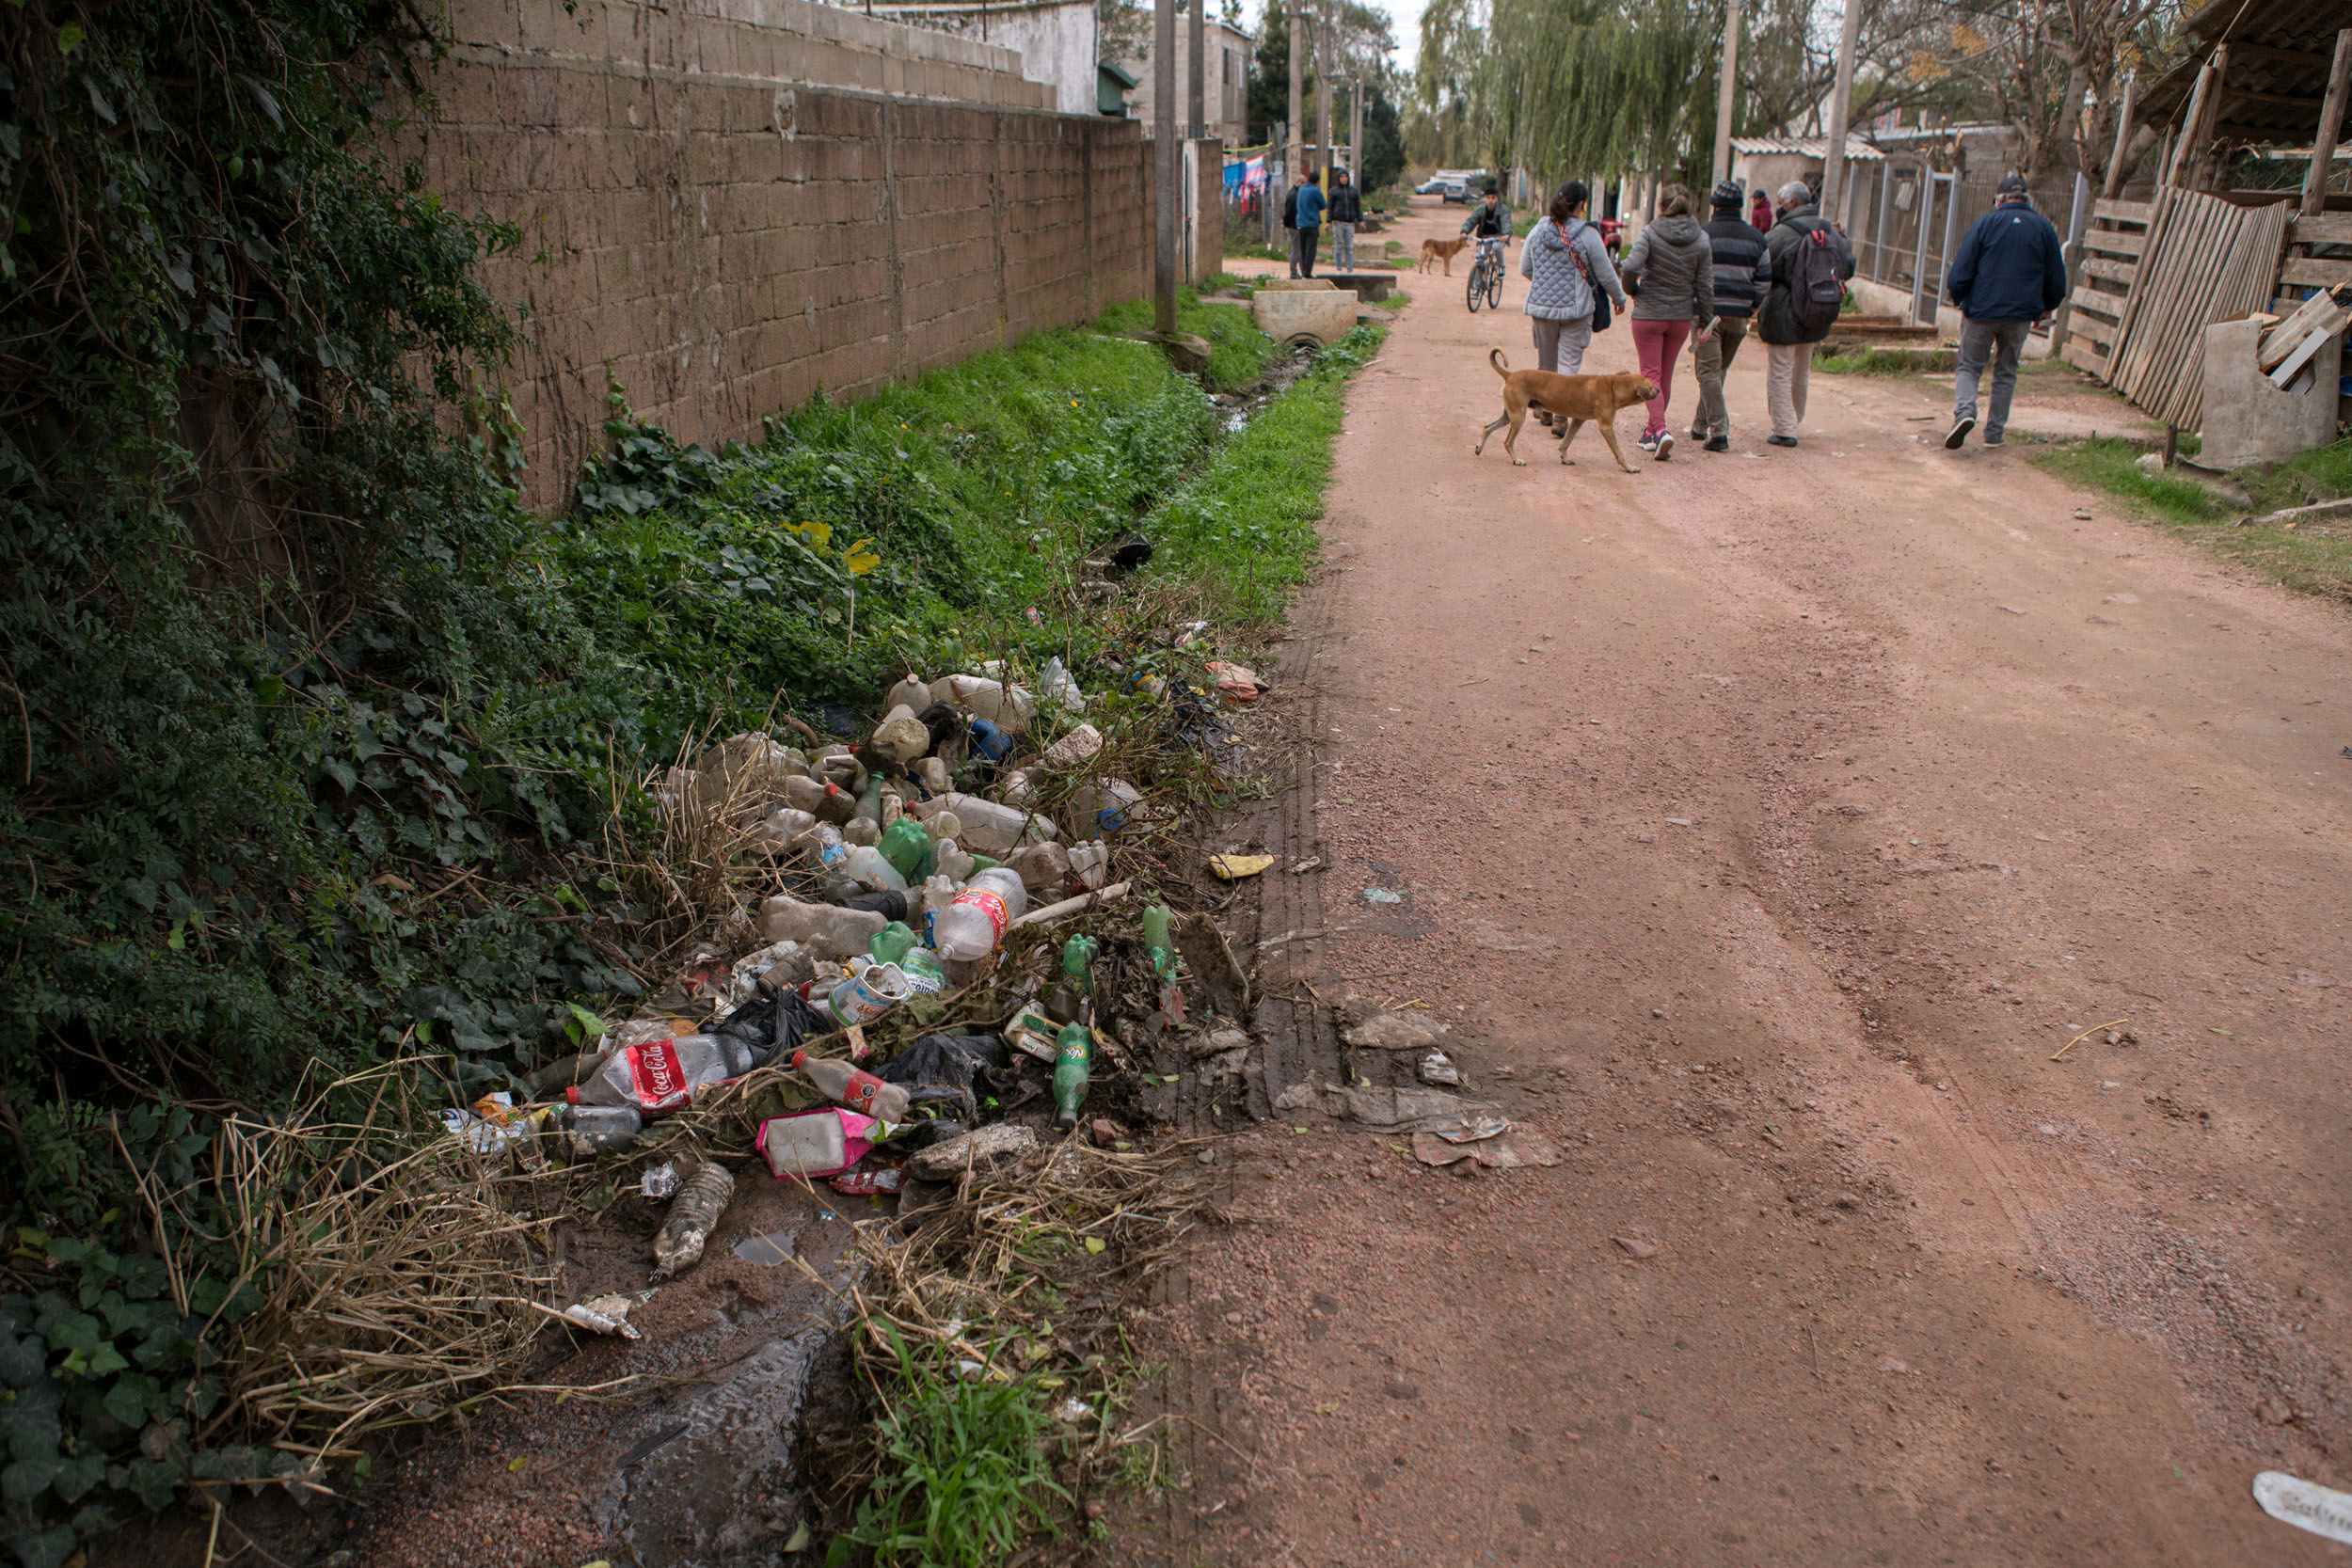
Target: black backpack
1815,291
1601,298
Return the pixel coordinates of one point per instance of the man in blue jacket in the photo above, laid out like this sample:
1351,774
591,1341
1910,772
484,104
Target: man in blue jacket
2010,272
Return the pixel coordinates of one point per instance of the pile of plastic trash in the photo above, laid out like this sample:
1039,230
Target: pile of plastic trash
904,863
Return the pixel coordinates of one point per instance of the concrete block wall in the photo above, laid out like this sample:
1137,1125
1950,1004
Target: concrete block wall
726,205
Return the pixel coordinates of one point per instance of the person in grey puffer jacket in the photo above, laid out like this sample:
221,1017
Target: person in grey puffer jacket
1672,274
1560,296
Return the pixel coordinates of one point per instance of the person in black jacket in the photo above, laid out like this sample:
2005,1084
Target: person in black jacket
2010,272
1788,341
1347,210
1738,246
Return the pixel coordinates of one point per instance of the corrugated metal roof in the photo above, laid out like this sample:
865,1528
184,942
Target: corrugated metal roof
2280,51
1857,151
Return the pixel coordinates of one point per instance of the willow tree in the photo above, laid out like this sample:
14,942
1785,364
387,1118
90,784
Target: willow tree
1574,87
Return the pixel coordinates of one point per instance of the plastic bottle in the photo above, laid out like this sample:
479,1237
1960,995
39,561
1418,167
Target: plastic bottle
824,800
1157,948
950,860
891,943
822,928
938,893
860,1090
588,1131
1089,865
1041,867
907,847
1054,684
1015,790
861,832
943,824
900,738
661,1077
970,929
816,1142
870,869
1074,1060
824,842
912,694
925,974
1106,804
990,829
990,740
1010,707
694,1213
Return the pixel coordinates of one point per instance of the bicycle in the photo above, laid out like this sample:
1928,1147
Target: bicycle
1486,276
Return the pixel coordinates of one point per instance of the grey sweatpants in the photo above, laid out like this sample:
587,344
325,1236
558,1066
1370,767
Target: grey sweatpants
1560,345
2001,342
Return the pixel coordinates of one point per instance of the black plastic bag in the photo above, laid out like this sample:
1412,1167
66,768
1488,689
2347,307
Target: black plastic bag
948,1070
773,1024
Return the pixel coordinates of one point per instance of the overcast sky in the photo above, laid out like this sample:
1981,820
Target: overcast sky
1404,24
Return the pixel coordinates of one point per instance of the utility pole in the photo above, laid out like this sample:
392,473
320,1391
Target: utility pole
1726,91
1834,168
1194,126
2330,128
1164,166
1291,150
1356,135
1323,89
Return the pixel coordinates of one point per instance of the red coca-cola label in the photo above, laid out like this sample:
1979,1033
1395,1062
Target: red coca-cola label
990,905
657,1075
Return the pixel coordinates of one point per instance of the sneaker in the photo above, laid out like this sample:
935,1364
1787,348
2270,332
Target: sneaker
1960,427
1665,446
1780,440
1995,443
1718,443
1647,443
1697,434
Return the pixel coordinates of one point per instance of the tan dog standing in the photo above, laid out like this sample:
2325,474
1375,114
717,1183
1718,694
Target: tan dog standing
1441,250
1580,400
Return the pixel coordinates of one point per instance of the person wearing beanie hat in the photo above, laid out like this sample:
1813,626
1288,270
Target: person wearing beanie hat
2010,271
1738,246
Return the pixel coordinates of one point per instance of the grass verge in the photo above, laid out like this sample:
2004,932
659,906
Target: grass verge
1238,351
1244,525
2311,557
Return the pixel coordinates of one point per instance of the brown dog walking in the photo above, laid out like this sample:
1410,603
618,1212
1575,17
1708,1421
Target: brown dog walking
1580,400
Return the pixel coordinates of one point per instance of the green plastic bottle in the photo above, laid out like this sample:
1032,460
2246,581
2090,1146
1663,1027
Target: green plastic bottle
1074,1058
891,943
1077,962
907,848
1162,957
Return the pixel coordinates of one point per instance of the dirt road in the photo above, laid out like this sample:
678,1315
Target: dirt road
1765,822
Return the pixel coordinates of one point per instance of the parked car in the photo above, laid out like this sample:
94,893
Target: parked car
1449,190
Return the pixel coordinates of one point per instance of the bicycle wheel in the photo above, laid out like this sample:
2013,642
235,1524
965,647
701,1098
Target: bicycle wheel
1477,286
1494,290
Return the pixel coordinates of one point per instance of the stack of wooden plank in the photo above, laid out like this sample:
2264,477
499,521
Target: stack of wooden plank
2306,238
2288,349
2206,260
2112,242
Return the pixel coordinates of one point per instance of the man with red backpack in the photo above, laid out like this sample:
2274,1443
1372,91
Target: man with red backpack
1802,278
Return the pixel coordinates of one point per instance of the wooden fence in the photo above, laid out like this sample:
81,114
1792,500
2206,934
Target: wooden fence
2153,276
